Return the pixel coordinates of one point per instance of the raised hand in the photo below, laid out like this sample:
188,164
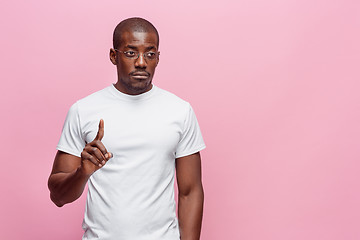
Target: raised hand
95,155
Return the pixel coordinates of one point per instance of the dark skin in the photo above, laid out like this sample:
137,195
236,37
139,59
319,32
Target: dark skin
71,173
190,197
135,75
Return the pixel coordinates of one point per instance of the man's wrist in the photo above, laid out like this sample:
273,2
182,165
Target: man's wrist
81,171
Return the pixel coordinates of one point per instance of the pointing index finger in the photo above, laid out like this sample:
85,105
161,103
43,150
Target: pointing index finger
100,133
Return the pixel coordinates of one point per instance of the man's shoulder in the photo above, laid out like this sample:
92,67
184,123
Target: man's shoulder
170,98
95,98
92,102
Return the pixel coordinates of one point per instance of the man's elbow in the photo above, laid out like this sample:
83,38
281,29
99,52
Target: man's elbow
55,198
56,201
193,192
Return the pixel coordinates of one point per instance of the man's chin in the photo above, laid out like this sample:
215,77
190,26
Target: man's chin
140,87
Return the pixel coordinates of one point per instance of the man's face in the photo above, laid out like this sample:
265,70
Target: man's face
135,75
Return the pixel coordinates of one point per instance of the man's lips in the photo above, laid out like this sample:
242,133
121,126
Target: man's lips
140,75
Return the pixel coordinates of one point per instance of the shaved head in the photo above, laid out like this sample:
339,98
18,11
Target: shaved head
134,24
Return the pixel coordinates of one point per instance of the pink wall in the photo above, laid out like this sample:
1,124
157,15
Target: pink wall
275,85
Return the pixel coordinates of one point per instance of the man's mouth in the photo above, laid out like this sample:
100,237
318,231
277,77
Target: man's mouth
140,75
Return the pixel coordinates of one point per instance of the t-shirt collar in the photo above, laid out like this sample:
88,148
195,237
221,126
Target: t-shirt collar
129,97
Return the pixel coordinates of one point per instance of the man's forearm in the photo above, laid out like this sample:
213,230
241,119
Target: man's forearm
67,187
190,213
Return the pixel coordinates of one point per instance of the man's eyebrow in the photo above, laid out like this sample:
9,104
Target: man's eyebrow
131,47
135,48
150,48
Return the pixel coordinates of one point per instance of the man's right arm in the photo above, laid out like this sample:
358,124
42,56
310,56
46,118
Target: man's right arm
67,179
70,173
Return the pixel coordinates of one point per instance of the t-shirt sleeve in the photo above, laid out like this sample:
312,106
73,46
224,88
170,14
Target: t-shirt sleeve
191,139
71,139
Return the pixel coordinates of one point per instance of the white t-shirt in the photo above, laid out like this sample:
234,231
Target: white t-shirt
132,196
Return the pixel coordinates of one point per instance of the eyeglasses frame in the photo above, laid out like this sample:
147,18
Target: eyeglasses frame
138,54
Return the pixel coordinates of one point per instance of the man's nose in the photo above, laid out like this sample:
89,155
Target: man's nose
141,61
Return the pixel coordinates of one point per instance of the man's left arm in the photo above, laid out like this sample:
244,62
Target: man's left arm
190,197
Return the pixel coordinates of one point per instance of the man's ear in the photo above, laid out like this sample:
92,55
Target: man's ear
158,59
112,56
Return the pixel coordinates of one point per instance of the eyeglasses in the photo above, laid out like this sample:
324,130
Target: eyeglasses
135,55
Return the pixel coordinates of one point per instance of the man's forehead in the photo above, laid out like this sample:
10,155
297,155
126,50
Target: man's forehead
139,38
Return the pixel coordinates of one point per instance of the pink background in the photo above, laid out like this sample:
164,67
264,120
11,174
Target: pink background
275,86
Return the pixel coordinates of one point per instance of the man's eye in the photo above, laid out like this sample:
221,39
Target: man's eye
150,55
130,53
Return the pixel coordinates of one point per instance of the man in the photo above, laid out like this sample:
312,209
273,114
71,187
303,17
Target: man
126,141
